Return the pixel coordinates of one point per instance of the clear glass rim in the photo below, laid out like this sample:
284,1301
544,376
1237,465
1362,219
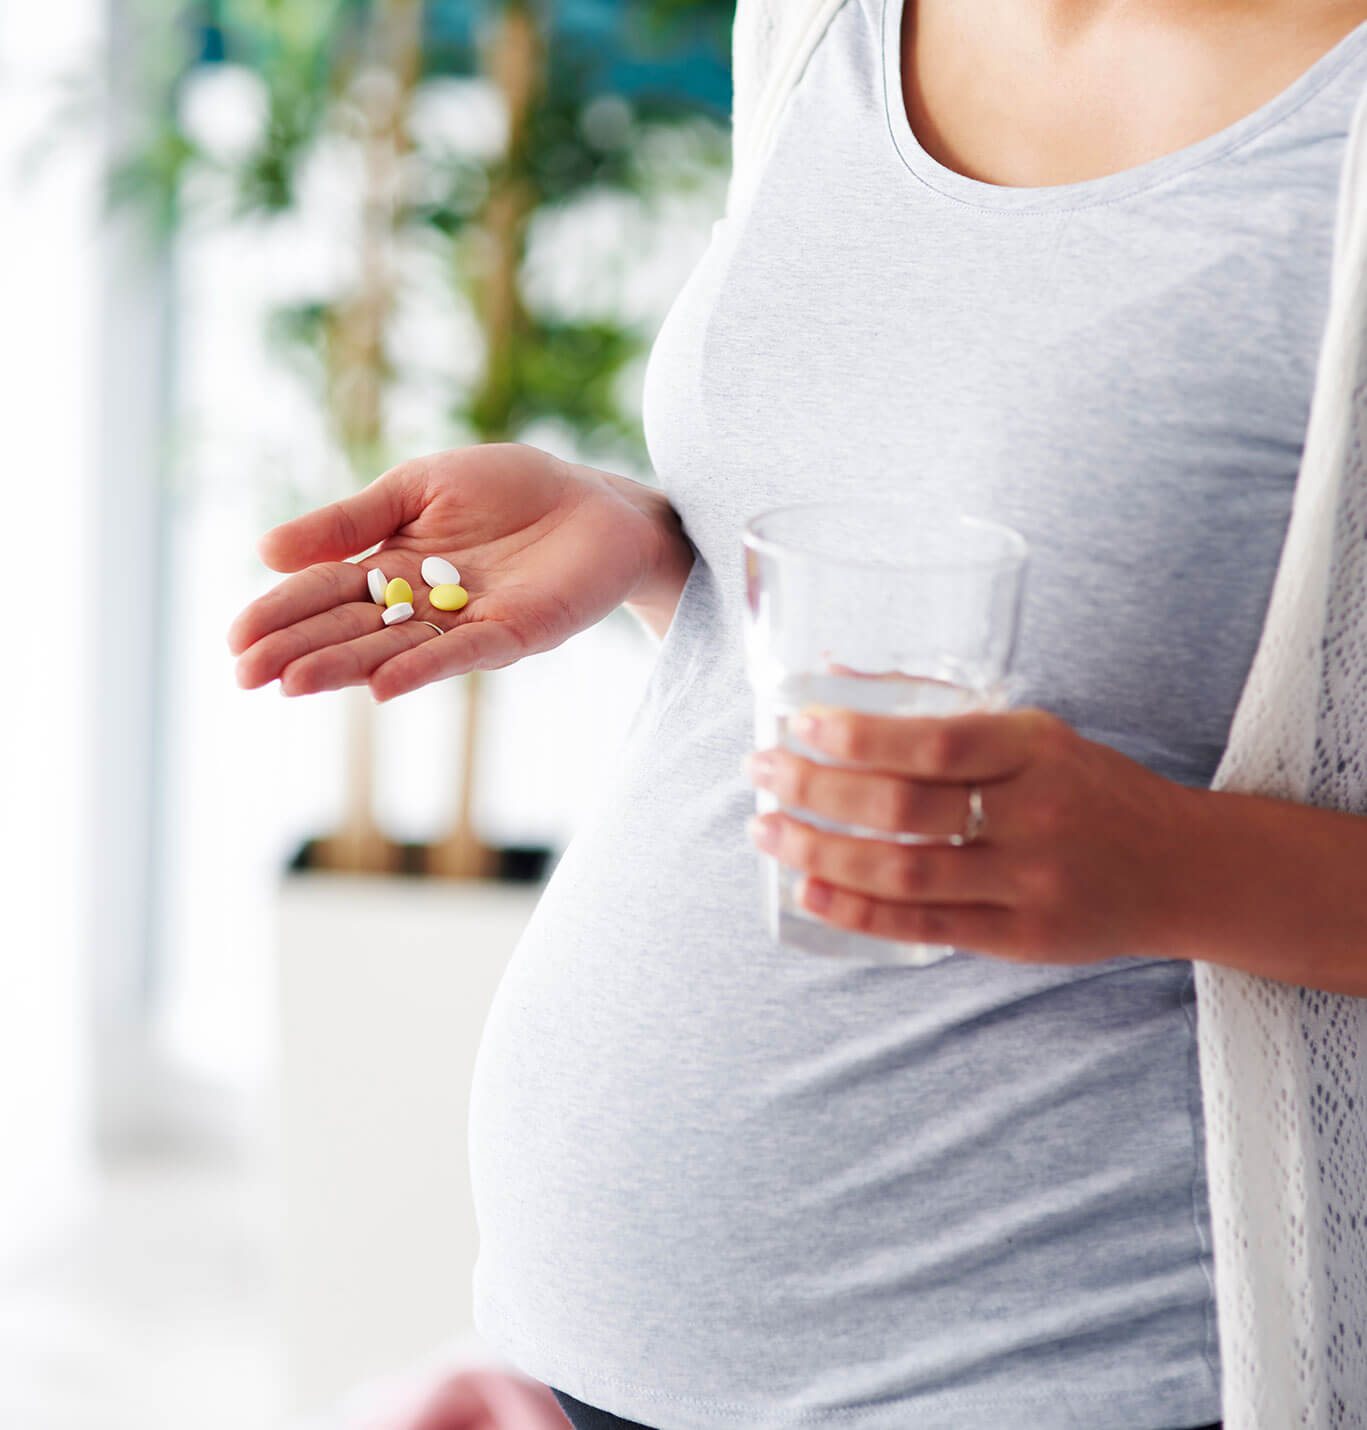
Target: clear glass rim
1017,554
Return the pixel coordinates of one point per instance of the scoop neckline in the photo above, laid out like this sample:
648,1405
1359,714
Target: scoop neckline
1084,193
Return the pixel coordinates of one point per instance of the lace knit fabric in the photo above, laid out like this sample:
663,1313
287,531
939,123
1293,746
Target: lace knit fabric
1283,1069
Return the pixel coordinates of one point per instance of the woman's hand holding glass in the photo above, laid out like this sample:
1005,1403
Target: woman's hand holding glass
545,548
1084,854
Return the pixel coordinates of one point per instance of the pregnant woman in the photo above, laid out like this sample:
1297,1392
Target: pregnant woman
1067,263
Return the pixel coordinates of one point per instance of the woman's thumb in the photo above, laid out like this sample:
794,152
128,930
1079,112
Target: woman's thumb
347,527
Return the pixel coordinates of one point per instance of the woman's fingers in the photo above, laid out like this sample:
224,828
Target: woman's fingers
350,526
401,658
473,645
914,873
308,594
871,799
263,661
337,666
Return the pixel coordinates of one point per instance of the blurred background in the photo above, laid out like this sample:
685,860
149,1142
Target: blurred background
253,252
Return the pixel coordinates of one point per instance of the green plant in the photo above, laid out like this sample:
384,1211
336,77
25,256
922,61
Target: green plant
348,73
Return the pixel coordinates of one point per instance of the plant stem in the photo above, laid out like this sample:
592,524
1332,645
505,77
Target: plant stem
515,60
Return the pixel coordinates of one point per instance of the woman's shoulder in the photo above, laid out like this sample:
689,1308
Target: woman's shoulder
770,41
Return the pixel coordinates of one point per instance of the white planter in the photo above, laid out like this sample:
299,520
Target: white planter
384,988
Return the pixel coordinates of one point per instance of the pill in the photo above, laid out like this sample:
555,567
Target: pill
398,593
437,571
396,613
449,596
376,581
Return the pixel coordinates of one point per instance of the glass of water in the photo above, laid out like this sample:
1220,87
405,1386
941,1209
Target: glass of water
887,606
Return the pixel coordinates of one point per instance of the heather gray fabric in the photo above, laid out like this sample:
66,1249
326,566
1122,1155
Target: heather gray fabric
720,1183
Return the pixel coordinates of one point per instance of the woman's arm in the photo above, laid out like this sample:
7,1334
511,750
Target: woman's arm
654,601
1277,888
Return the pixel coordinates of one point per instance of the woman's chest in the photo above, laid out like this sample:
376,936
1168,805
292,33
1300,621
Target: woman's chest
1098,384
853,329
1127,384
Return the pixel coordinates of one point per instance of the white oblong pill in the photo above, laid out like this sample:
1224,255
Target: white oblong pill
394,614
437,571
375,579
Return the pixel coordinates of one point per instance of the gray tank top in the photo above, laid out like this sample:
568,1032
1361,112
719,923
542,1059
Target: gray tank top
723,1183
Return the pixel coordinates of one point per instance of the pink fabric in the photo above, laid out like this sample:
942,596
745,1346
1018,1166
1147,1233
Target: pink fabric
487,1400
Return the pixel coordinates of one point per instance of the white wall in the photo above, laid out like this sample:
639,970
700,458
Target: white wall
48,293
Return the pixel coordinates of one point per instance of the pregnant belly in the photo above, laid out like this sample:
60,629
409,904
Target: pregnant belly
664,1099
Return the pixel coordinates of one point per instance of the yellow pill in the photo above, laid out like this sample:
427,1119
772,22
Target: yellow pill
449,598
398,592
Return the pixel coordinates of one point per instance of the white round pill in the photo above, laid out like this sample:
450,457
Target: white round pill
437,571
394,614
375,579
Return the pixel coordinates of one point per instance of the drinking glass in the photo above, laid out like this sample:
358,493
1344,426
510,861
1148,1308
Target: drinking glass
887,606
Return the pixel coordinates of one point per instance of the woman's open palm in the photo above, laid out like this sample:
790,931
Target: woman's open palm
544,548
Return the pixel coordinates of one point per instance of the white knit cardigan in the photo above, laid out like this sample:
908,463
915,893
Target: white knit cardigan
1283,1069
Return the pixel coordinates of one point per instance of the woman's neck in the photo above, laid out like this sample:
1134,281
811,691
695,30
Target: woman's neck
1058,91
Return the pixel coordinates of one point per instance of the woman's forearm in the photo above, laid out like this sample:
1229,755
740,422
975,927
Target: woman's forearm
1278,889
654,601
